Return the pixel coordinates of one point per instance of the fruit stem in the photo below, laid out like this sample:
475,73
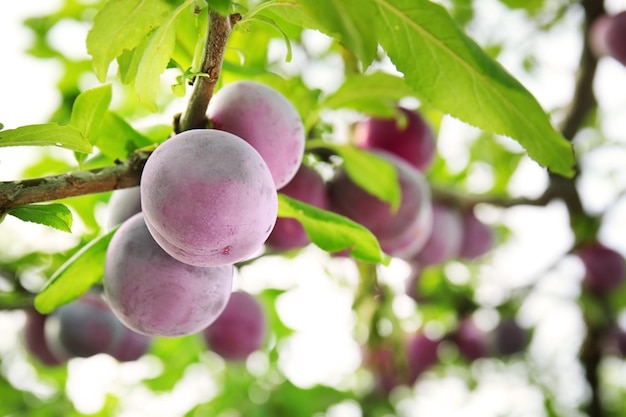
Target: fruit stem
218,32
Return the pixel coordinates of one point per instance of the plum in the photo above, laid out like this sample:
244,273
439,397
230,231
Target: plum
208,198
264,118
153,293
239,330
408,137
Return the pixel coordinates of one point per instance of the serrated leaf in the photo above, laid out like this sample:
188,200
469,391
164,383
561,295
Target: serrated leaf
369,171
121,25
155,58
450,71
54,215
89,109
375,94
75,276
46,134
333,232
348,21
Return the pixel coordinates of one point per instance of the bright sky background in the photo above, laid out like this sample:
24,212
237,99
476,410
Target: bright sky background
318,306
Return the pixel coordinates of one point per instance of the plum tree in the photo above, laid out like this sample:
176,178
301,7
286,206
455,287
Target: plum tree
477,237
407,136
123,204
444,241
390,227
208,198
35,339
239,330
264,118
605,268
308,186
83,328
153,293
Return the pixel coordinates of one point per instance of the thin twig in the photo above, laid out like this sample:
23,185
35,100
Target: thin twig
212,58
122,175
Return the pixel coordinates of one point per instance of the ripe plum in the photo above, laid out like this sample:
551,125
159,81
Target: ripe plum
208,198
265,119
153,293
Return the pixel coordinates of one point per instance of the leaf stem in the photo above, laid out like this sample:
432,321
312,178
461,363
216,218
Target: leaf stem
218,32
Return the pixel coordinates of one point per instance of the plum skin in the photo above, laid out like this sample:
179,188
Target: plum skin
122,205
414,142
83,328
208,198
264,118
606,36
605,268
615,35
35,339
472,342
307,186
239,330
477,237
153,293
445,240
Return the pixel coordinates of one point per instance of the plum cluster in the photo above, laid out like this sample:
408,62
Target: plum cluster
207,200
393,366
473,343
420,231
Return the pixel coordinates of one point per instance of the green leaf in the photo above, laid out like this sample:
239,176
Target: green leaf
155,58
121,25
450,71
333,232
530,5
89,109
75,276
47,134
117,139
369,171
54,215
348,21
221,6
375,94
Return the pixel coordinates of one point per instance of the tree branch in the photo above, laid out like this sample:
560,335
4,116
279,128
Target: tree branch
468,200
122,175
583,101
217,35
